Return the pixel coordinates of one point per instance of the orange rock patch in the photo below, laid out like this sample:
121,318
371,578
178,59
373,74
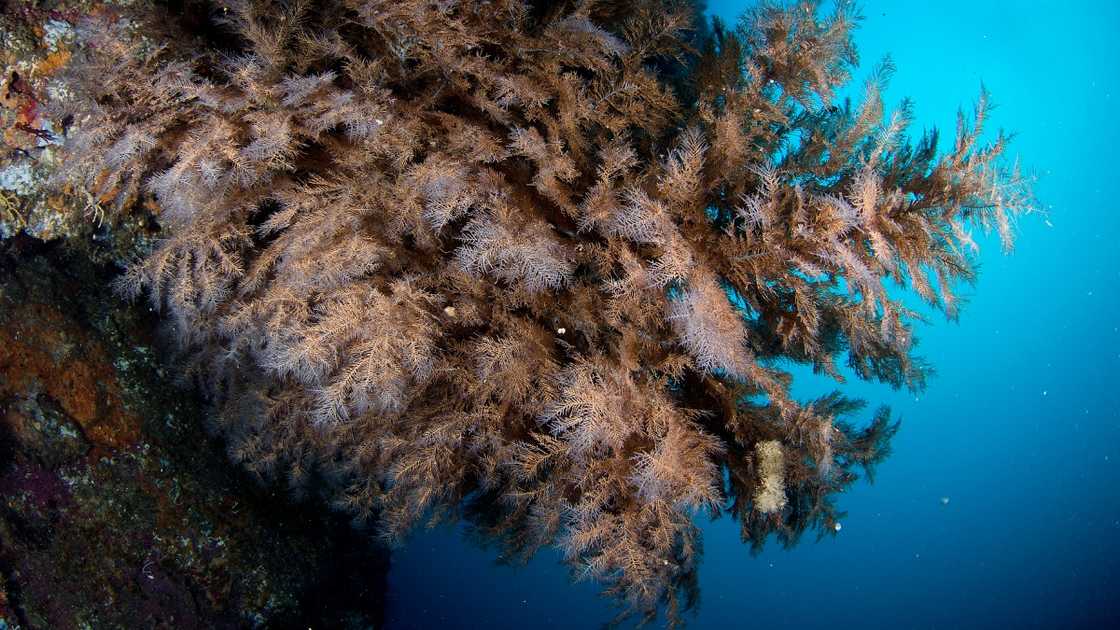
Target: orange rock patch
42,351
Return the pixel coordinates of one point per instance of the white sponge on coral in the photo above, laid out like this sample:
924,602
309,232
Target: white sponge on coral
771,494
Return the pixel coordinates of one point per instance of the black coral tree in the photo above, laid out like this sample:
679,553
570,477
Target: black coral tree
535,264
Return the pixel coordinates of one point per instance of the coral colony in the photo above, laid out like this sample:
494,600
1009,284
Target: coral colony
533,265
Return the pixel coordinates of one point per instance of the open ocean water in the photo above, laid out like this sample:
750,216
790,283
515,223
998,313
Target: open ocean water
1000,506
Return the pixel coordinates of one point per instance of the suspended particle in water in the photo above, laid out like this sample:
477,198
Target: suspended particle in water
944,500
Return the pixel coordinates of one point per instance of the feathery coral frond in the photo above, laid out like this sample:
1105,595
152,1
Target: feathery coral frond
535,264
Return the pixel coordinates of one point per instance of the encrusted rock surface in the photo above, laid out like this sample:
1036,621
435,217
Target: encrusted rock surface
117,510
36,41
34,45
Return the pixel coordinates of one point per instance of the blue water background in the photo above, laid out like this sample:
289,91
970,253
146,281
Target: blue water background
1020,428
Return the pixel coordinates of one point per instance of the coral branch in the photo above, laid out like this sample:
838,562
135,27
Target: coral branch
535,264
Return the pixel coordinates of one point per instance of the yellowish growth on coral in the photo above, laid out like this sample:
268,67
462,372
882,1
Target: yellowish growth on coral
9,204
53,63
770,496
